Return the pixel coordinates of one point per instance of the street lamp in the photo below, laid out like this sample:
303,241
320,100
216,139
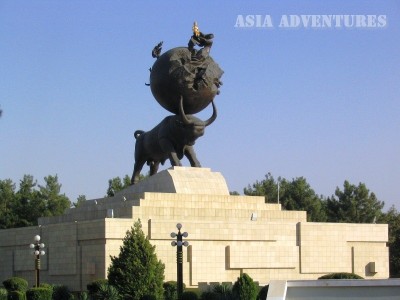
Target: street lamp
179,256
37,251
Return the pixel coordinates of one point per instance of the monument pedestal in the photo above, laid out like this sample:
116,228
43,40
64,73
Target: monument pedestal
228,235
182,180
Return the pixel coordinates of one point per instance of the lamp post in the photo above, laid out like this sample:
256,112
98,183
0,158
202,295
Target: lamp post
179,256
37,251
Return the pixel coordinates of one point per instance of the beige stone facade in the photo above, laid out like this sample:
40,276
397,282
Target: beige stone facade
228,235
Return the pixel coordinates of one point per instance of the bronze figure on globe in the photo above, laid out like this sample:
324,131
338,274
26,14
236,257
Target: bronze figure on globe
183,80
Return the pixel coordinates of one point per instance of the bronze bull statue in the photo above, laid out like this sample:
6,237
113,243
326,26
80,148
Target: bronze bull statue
171,139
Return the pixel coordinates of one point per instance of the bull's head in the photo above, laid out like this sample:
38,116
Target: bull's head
195,127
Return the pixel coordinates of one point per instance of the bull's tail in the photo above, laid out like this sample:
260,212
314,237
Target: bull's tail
138,133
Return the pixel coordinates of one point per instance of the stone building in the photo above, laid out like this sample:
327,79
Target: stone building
228,235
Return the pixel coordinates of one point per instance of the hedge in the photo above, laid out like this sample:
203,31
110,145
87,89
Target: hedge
3,294
16,284
39,293
189,295
16,295
342,275
62,292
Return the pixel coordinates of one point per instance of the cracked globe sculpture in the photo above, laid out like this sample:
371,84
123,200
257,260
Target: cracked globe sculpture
184,81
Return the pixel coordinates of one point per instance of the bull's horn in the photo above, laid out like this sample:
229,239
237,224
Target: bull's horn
214,115
182,113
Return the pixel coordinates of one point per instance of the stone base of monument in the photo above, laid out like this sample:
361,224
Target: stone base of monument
182,180
228,235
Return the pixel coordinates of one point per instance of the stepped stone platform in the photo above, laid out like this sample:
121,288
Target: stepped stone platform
228,235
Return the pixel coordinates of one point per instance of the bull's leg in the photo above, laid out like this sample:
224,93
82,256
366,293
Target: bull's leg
136,171
154,167
173,158
191,156
167,147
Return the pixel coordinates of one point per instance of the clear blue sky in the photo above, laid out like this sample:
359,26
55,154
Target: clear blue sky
323,103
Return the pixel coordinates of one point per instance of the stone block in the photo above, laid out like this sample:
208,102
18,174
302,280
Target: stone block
182,180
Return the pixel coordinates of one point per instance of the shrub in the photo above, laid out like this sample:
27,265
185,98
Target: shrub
47,286
106,292
262,295
148,297
245,288
209,295
189,295
83,296
40,293
16,295
223,291
62,292
170,290
3,294
94,286
341,276
16,284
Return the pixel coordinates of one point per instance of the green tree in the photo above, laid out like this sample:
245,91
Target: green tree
50,194
126,181
79,201
296,194
136,271
117,184
355,204
267,188
7,202
28,206
245,288
24,207
392,218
